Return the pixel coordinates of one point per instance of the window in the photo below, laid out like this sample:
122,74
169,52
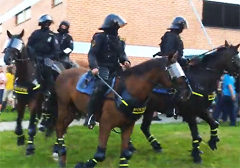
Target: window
56,2
223,15
23,16
0,28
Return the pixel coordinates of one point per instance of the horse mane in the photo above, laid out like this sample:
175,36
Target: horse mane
141,68
208,57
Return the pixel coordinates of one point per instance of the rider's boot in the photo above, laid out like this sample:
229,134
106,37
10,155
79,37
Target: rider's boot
94,103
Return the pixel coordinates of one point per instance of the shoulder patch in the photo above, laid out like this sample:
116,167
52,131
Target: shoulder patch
93,43
121,38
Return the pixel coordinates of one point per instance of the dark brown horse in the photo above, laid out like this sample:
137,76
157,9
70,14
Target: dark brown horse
27,87
134,86
203,77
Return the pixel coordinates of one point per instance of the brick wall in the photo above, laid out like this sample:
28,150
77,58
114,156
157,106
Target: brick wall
43,7
7,5
147,21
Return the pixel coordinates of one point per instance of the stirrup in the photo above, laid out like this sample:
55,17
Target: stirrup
47,94
91,123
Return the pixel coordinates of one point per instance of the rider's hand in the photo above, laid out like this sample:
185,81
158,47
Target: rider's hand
95,71
127,64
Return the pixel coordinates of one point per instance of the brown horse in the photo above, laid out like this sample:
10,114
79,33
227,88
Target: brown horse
27,87
203,77
134,85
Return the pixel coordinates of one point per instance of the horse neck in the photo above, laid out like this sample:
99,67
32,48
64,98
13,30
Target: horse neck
26,70
207,75
141,86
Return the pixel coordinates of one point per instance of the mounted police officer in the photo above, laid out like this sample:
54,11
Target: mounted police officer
107,50
66,44
46,48
172,42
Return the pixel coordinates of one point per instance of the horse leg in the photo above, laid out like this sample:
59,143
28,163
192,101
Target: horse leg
32,128
196,139
104,131
18,130
126,154
60,130
145,127
56,148
214,127
51,121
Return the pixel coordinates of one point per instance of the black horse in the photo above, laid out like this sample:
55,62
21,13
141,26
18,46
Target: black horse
203,76
28,87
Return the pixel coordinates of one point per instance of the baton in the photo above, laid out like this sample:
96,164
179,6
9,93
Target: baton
120,97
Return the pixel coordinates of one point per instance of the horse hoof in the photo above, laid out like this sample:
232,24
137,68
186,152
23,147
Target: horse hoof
21,143
29,152
79,165
21,140
197,160
132,149
30,149
156,147
62,164
158,150
55,156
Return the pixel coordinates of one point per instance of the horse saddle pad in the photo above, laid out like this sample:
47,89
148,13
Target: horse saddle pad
86,84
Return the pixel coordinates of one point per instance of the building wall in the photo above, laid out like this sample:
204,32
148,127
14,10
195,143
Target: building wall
147,22
37,10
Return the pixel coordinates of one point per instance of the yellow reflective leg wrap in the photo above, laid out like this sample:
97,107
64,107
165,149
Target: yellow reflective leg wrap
123,162
61,142
151,139
195,143
29,142
214,132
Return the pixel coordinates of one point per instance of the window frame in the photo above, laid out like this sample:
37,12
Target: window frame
1,28
24,15
56,2
220,20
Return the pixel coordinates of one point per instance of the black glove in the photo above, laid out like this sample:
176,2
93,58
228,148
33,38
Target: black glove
158,53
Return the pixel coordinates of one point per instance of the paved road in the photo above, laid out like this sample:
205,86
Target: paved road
8,126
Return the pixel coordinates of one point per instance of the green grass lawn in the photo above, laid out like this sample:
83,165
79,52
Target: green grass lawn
12,116
82,143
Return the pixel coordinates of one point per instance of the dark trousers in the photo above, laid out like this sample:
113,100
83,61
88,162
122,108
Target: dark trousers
48,77
98,95
225,105
229,110
218,109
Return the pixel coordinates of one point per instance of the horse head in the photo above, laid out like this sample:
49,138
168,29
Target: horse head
230,60
164,71
13,48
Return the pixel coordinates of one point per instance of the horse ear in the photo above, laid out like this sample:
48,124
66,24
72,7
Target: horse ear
9,34
22,33
227,44
237,45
